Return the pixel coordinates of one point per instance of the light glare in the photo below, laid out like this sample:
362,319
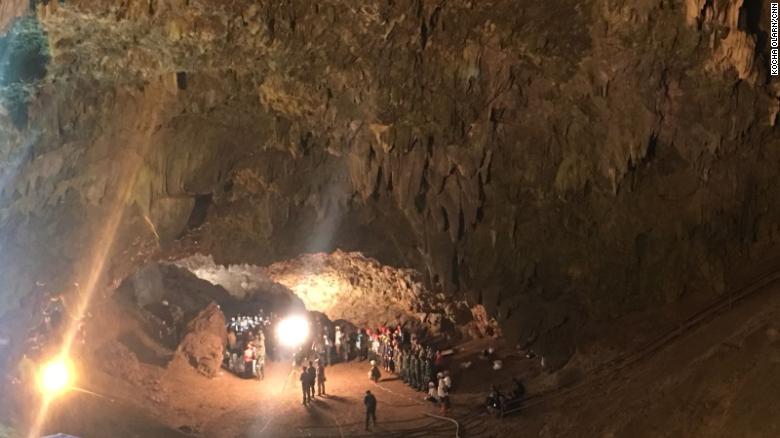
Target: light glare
292,331
55,377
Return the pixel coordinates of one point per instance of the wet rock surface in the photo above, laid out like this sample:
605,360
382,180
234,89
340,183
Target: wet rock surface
553,162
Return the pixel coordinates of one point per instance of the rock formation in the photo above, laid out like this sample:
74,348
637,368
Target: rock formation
554,162
352,287
341,286
204,342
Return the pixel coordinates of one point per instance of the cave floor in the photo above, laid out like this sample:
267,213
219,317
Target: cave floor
720,379
230,407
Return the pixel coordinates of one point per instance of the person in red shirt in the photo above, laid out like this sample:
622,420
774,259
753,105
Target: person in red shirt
249,361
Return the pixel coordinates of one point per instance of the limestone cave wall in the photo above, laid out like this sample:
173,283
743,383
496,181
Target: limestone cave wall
556,162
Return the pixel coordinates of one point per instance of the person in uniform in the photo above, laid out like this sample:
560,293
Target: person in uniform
425,373
320,379
422,382
413,377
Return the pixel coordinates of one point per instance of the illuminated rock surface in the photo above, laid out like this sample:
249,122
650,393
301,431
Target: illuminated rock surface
557,163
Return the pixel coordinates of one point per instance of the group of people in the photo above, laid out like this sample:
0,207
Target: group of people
420,366
245,354
311,377
250,323
390,349
498,400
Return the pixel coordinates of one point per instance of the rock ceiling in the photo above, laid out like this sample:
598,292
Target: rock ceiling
554,161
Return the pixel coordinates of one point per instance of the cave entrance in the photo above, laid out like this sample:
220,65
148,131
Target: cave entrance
165,336
339,289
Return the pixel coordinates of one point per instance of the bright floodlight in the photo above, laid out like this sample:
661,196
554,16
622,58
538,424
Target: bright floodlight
292,331
55,376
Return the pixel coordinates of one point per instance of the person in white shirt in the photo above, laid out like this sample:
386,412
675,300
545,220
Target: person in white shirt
447,380
444,396
433,393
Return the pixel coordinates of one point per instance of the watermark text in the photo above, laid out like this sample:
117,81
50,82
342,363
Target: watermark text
774,50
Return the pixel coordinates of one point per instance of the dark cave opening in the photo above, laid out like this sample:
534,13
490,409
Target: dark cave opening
199,213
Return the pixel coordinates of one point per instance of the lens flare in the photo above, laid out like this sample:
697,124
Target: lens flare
292,331
55,377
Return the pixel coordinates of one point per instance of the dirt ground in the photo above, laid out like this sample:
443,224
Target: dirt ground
720,379
231,407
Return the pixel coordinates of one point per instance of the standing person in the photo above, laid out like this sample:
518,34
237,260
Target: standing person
320,379
232,341
421,372
448,381
370,401
260,365
397,359
438,361
319,348
268,341
249,361
328,346
375,355
391,359
360,344
413,369
305,385
444,396
339,343
431,371
312,372
404,365
399,334
349,345
259,346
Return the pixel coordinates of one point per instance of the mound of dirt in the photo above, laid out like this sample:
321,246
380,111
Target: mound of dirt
204,341
117,360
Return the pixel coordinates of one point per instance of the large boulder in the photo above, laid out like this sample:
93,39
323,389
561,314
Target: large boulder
204,341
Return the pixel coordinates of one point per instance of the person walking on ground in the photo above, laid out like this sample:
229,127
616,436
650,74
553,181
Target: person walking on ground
320,379
305,385
370,401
